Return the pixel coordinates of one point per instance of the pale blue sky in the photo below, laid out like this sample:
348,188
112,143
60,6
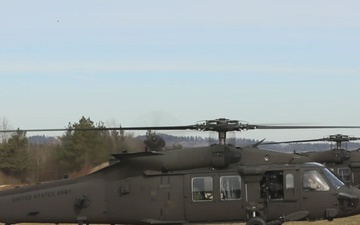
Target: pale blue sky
178,62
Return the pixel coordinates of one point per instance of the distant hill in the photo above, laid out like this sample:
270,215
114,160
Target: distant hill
42,139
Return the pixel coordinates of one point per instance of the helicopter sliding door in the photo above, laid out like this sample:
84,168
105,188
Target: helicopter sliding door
280,192
213,197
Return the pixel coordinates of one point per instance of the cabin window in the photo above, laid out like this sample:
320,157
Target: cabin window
289,181
202,189
314,181
345,174
230,187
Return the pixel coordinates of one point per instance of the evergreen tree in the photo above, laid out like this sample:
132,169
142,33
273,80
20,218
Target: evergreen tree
14,156
83,148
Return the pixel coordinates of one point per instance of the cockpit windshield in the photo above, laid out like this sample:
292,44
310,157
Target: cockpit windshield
336,182
315,180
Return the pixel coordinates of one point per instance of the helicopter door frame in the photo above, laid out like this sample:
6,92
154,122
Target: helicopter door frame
280,185
214,197
280,191
317,191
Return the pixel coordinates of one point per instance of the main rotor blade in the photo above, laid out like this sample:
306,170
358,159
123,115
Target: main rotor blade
218,125
297,141
332,138
32,130
104,128
190,127
300,127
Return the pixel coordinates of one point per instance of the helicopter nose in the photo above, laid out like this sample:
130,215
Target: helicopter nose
357,207
349,202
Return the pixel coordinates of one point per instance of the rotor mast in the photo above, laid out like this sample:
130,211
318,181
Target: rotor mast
221,125
339,138
222,137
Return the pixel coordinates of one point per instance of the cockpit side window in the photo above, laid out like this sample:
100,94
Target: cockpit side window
344,174
314,181
202,189
290,181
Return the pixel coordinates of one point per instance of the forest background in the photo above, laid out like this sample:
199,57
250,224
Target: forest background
36,159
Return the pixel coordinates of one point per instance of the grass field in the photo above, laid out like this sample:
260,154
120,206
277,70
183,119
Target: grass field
352,220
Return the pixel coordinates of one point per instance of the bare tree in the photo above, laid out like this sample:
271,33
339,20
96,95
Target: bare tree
4,126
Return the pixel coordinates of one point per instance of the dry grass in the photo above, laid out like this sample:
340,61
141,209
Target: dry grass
352,220
7,180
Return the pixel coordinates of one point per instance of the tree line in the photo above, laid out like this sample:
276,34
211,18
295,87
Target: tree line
76,152
73,153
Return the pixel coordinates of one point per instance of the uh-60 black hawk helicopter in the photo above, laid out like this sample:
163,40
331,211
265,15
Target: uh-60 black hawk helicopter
343,162
219,183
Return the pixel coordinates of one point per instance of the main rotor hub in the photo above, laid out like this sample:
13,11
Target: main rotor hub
338,137
222,125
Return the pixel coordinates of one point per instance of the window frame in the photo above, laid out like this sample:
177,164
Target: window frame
202,194
222,187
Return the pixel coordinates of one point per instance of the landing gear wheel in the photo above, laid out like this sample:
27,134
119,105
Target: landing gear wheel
256,221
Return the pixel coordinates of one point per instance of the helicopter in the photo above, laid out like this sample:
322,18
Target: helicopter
218,183
344,163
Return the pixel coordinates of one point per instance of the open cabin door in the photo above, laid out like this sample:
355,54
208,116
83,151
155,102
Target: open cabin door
213,197
280,191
